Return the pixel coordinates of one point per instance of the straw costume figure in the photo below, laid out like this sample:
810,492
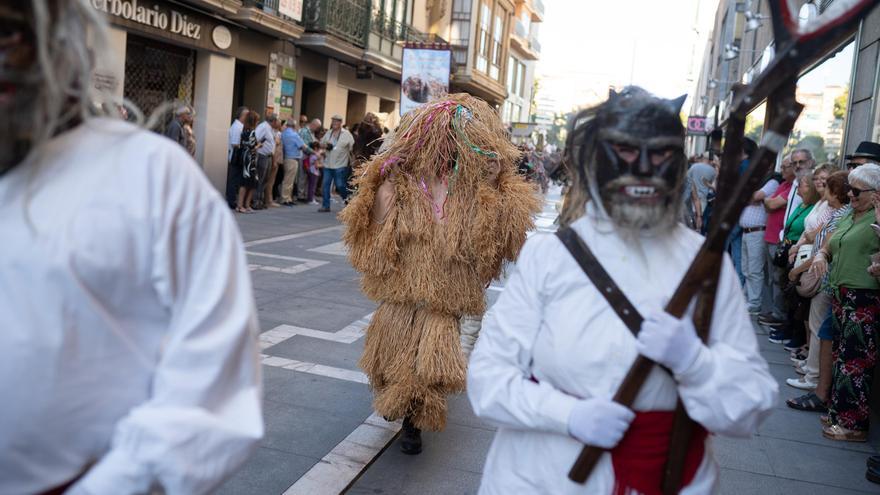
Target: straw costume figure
436,214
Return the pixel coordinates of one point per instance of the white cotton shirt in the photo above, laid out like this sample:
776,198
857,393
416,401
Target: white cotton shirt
266,134
234,136
128,321
817,216
551,323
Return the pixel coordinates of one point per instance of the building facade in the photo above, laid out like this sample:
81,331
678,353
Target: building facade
840,91
525,50
316,58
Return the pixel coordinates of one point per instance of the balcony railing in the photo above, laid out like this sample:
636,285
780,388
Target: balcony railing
521,30
394,30
346,19
538,5
535,45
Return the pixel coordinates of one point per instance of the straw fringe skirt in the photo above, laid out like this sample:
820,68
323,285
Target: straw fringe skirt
413,358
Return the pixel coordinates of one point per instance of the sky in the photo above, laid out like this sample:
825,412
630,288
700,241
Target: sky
587,45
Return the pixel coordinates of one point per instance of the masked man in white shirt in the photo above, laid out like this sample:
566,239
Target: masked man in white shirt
553,352
128,359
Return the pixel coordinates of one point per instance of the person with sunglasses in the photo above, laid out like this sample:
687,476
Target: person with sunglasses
855,306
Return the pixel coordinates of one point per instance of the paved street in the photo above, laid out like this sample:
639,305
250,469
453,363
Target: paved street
322,437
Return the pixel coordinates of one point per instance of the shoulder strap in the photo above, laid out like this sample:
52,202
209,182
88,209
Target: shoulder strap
600,278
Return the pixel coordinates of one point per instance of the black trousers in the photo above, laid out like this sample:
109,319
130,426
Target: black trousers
233,180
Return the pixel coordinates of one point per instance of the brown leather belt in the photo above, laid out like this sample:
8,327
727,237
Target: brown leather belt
749,230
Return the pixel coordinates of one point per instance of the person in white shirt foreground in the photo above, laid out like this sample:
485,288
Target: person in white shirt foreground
128,358
553,352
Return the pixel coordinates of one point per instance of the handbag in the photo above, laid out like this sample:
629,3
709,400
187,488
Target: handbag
803,254
808,284
780,259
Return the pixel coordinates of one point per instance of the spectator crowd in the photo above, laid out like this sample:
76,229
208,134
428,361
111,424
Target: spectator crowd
807,251
294,161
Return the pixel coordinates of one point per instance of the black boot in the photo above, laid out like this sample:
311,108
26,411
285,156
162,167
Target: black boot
410,438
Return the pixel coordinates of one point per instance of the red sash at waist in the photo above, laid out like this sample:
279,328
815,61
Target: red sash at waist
640,457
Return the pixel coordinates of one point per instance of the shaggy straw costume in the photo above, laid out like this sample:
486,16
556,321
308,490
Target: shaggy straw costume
429,259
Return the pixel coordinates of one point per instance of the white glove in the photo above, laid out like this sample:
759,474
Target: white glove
599,422
669,341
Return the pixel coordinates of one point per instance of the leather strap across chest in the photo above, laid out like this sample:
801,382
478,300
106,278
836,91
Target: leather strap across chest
600,279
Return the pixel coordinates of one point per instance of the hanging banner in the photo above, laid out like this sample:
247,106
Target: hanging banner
291,8
424,75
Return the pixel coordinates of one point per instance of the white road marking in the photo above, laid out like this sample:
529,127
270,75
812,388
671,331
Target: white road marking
315,369
334,473
336,249
288,237
347,335
302,265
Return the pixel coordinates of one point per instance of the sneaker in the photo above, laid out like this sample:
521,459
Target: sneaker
801,383
323,210
778,337
770,322
794,346
314,203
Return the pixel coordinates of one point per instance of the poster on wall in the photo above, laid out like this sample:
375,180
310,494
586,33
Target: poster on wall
291,8
425,75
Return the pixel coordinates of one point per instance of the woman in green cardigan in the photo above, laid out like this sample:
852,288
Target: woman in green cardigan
856,310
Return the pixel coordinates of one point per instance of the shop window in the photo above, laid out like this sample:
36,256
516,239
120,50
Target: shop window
158,73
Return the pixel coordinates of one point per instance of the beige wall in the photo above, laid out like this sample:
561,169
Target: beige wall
215,75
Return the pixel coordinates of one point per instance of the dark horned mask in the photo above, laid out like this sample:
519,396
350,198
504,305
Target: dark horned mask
627,156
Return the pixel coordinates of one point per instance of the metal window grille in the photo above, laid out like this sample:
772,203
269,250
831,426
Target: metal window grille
158,73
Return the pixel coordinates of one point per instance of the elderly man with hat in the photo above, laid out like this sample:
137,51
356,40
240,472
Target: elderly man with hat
338,143
866,152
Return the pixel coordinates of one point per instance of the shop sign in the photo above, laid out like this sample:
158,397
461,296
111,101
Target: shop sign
522,129
291,8
222,37
424,76
697,125
153,16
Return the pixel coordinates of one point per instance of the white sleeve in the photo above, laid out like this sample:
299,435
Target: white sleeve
729,389
499,385
203,416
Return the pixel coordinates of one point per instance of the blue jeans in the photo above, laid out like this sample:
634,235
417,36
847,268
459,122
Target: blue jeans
339,176
734,246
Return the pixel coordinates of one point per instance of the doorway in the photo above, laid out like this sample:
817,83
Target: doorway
356,108
249,88
313,95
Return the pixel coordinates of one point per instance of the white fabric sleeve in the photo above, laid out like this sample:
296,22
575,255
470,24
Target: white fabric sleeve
499,385
203,416
728,389
770,187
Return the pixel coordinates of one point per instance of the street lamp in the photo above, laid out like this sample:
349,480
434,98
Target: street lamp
713,83
753,21
732,51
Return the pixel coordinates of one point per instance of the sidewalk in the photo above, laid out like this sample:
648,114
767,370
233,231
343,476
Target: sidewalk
321,435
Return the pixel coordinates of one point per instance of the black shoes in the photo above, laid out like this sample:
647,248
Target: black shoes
323,210
410,438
